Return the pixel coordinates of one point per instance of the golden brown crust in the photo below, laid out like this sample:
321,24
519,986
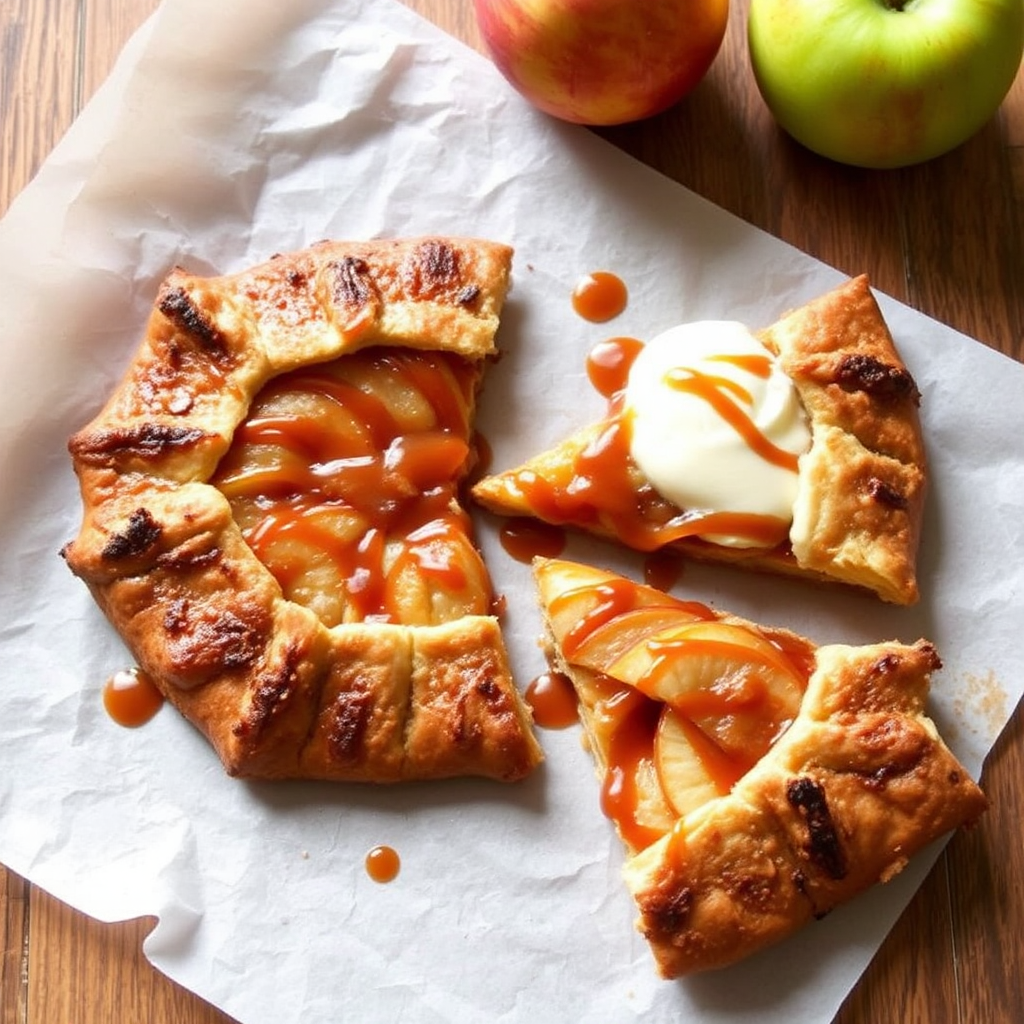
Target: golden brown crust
857,784
858,515
857,518
278,692
848,795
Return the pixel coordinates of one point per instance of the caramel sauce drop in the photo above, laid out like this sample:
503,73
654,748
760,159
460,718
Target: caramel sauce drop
131,698
383,864
662,569
526,539
552,699
609,363
599,296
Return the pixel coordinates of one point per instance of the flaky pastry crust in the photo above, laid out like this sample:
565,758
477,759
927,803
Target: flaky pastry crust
854,787
857,517
278,693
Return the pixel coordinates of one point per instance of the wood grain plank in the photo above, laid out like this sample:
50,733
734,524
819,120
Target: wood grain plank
960,272
106,26
38,72
103,974
13,965
988,899
910,980
38,68
455,17
1011,115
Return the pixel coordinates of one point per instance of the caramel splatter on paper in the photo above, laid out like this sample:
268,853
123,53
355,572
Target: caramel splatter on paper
984,700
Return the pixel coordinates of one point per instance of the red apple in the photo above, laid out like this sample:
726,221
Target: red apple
602,62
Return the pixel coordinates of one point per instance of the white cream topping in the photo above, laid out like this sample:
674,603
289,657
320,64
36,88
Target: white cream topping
689,452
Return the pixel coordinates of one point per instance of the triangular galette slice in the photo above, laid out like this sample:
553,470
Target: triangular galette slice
756,779
798,450
272,518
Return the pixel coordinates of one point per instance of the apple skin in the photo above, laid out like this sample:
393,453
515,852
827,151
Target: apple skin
868,84
602,62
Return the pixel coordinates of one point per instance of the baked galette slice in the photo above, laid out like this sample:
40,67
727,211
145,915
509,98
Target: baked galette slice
796,450
756,779
272,518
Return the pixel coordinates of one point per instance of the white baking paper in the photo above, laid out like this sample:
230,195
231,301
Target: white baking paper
234,130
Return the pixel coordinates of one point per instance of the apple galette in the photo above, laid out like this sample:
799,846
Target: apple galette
272,521
757,780
796,450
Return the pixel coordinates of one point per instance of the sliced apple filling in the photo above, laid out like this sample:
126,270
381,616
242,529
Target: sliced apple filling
344,480
678,702
271,517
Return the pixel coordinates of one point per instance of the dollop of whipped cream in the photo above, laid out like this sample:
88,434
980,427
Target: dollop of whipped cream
715,423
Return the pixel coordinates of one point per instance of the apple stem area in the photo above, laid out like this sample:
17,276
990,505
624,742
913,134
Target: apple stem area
895,5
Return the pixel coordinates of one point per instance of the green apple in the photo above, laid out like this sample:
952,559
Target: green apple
884,83
602,62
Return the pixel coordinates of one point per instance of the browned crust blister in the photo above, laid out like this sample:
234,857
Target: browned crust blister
277,693
862,485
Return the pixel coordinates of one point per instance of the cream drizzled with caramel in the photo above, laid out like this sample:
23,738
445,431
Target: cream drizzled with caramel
715,424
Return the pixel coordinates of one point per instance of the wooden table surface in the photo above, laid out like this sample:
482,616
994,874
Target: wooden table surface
947,238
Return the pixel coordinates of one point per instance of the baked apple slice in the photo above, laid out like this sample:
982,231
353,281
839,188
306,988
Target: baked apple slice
692,768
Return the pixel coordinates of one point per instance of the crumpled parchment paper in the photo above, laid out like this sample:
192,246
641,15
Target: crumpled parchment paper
267,128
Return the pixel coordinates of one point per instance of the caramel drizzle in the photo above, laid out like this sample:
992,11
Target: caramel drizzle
603,490
755,365
635,721
714,390
374,491
614,598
